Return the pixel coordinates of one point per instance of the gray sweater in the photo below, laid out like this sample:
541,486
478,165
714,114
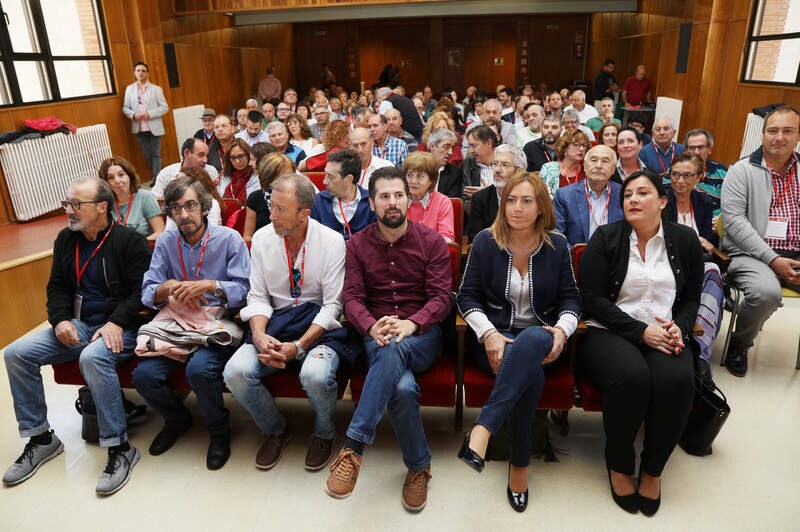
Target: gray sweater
746,197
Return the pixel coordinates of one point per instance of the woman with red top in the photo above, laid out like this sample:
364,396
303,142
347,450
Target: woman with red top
428,206
237,175
134,207
337,137
568,169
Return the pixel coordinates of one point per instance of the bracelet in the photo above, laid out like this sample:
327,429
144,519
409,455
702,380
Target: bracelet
560,328
486,335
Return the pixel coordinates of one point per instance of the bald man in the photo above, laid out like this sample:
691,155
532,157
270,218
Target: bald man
394,128
361,141
586,205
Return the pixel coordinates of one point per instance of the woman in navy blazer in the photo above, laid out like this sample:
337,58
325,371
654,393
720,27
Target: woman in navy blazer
688,206
521,319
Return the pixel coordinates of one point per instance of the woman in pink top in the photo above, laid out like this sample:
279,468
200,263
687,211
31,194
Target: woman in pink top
428,206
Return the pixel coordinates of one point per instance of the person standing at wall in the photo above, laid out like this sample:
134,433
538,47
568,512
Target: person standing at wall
145,104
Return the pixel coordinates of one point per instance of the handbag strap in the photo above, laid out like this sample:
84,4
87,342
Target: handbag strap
711,388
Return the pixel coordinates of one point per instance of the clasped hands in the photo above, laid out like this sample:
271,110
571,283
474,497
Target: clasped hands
495,344
273,352
388,327
666,337
190,293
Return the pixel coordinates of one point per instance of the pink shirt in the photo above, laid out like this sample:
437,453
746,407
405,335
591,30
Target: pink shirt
438,215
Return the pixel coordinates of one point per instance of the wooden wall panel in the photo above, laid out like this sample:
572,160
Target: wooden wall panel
24,285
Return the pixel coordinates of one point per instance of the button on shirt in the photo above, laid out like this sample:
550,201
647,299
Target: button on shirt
226,260
648,290
323,274
410,278
598,211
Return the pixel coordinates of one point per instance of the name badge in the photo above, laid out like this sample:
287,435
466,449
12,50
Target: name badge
77,301
777,227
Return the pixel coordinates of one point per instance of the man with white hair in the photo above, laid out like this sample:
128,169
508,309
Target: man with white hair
361,141
279,137
579,105
394,128
491,110
570,120
658,155
508,160
606,114
531,124
251,105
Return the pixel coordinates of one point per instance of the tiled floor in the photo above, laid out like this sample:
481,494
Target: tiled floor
750,482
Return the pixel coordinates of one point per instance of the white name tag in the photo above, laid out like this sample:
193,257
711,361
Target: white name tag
777,227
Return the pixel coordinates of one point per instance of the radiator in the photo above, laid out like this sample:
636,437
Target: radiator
753,134
38,172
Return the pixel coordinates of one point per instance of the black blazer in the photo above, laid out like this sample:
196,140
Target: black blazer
536,154
484,211
470,173
604,264
450,183
703,213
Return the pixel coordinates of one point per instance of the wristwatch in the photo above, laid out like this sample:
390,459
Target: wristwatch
301,353
218,291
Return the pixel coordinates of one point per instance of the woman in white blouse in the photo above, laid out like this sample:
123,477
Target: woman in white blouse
640,282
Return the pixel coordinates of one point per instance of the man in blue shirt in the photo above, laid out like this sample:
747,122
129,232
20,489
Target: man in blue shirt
197,265
386,147
658,155
701,142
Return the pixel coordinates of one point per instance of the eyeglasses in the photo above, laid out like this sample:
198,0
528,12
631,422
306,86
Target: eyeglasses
190,206
682,175
502,164
696,148
241,157
76,205
579,146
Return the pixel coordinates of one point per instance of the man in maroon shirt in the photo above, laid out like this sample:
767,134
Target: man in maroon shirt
396,292
636,89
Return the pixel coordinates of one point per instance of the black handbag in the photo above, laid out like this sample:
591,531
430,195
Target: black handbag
90,430
709,412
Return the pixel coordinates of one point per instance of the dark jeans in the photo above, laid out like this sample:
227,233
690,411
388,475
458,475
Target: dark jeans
151,148
639,385
517,388
204,375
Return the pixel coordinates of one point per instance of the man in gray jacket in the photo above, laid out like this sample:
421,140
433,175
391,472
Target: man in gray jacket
761,216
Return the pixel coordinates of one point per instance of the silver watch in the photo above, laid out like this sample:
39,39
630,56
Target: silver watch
218,291
301,353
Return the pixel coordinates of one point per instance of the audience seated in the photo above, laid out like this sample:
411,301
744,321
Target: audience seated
195,154
301,134
279,137
238,179
257,213
568,169
337,137
361,141
443,145
629,146
428,206
385,146
133,207
543,150
658,154
214,215
252,132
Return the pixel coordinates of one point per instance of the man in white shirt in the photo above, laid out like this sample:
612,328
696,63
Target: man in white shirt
195,155
361,141
293,315
579,105
532,119
253,132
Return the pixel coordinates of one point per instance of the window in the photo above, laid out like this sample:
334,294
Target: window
772,53
52,50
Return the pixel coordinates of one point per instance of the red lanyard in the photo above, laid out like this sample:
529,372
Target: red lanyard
199,262
119,216
577,173
79,271
344,219
547,155
669,159
591,209
789,176
291,273
363,175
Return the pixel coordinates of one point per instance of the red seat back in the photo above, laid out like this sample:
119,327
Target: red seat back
318,178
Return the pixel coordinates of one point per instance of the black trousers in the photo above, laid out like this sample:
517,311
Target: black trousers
639,385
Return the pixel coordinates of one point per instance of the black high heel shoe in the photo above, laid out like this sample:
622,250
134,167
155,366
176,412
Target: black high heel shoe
470,457
518,501
629,503
649,506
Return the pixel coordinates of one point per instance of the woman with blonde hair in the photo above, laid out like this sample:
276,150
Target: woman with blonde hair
519,298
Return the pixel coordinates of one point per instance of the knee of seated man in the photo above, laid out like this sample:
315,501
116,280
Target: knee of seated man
316,371
767,294
406,388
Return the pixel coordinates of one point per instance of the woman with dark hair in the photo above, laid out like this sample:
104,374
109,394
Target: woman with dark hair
134,207
629,144
692,208
568,168
238,178
201,176
300,133
270,168
304,110
640,281
607,135
519,298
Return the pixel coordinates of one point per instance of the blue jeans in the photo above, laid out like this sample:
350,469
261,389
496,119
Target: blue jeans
151,149
203,373
25,357
243,374
517,389
390,383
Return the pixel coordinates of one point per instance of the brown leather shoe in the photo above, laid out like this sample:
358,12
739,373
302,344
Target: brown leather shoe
415,489
319,453
272,449
344,473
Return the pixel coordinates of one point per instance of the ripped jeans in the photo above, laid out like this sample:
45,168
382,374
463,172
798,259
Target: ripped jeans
243,374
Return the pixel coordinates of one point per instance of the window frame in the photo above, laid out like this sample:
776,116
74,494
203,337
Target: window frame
757,10
48,60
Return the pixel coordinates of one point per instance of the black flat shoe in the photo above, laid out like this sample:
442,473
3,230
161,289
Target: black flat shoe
518,501
647,505
470,457
219,450
629,503
165,439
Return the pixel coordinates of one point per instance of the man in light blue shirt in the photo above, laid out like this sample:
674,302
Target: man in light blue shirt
199,266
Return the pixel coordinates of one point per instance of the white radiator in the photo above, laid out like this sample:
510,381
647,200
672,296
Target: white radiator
38,172
753,134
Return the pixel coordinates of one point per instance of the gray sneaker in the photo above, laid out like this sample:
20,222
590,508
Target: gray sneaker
31,460
117,471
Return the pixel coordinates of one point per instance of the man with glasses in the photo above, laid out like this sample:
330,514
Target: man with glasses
322,116
199,270
570,121
283,111
93,298
508,160
293,312
701,142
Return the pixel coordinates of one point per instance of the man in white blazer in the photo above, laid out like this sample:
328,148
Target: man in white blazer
145,105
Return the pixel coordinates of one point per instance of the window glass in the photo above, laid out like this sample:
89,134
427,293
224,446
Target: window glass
81,78
71,27
20,26
32,81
